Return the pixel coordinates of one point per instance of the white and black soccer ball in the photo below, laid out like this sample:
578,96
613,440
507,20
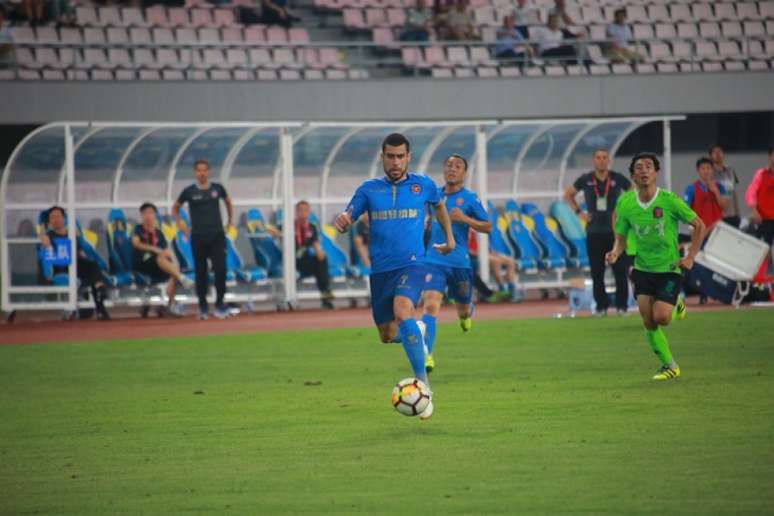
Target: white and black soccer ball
410,396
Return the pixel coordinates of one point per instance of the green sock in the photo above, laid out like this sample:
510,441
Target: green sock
658,342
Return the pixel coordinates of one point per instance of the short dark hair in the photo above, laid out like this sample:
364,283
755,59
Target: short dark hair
396,140
713,147
619,11
704,160
53,209
600,149
201,161
303,202
645,155
147,205
455,155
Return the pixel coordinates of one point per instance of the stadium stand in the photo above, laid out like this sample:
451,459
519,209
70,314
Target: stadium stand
204,42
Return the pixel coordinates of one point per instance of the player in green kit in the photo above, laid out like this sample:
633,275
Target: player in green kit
653,216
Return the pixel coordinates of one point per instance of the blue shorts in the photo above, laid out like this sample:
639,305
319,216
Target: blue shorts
459,281
406,282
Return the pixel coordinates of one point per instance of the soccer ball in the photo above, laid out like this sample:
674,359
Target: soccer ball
410,397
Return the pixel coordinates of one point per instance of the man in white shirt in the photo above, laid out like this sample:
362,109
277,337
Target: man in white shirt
551,41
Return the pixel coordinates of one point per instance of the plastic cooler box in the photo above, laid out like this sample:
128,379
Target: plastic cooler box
727,263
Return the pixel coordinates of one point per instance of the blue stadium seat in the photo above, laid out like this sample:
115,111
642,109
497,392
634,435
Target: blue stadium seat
235,264
267,254
497,240
571,229
555,254
356,269
338,264
528,254
119,243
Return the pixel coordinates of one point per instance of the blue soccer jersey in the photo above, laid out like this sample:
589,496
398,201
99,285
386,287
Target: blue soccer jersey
396,213
468,202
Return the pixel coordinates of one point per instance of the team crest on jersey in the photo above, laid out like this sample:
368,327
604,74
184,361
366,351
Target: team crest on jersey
214,194
428,277
460,201
416,189
658,213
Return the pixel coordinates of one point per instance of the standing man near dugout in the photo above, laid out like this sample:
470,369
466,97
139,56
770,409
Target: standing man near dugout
208,236
601,188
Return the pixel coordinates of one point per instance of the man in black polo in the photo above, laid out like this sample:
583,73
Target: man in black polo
601,189
208,238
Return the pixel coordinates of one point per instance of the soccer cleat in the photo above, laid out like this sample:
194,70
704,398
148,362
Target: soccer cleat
176,310
466,324
667,373
186,282
428,412
203,316
429,363
679,311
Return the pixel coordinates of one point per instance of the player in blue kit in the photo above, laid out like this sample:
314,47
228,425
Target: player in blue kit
452,270
396,205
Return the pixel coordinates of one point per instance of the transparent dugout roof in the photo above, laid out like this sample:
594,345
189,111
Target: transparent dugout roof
129,163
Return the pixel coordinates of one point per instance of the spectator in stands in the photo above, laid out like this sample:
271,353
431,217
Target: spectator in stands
727,177
457,23
89,273
601,189
706,196
551,41
275,12
33,9
6,40
510,44
63,12
361,237
563,19
419,23
760,198
620,35
526,14
153,257
310,256
208,237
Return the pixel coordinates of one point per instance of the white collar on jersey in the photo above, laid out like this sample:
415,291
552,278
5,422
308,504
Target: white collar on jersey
643,205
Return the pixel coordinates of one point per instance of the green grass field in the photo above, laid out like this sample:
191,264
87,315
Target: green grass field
538,416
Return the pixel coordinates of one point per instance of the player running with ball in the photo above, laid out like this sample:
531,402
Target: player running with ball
653,215
452,270
396,207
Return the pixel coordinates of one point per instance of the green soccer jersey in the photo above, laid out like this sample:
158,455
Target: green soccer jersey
654,226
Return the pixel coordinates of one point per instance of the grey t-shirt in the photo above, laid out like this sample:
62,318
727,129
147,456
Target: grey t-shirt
728,178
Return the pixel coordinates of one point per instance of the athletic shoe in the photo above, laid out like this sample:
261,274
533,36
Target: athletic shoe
428,412
679,311
666,373
600,313
621,312
203,316
429,363
187,282
466,324
221,313
327,304
176,310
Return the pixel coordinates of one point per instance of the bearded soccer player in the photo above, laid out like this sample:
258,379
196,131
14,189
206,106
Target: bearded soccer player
396,205
452,270
653,216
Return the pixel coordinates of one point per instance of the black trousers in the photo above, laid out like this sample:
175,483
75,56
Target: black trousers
766,231
598,244
309,265
212,247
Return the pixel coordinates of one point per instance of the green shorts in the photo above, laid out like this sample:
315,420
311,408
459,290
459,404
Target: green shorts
664,286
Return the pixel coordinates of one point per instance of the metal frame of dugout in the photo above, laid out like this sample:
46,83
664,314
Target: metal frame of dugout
89,167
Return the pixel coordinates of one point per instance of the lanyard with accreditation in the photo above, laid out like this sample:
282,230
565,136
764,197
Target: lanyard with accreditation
602,200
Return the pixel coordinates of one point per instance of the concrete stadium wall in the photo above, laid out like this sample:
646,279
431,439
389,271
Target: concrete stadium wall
409,99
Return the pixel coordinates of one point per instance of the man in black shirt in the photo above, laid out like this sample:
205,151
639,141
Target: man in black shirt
153,257
310,256
208,238
601,189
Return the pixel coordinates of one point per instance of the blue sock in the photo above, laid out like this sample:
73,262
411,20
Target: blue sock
414,348
429,321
